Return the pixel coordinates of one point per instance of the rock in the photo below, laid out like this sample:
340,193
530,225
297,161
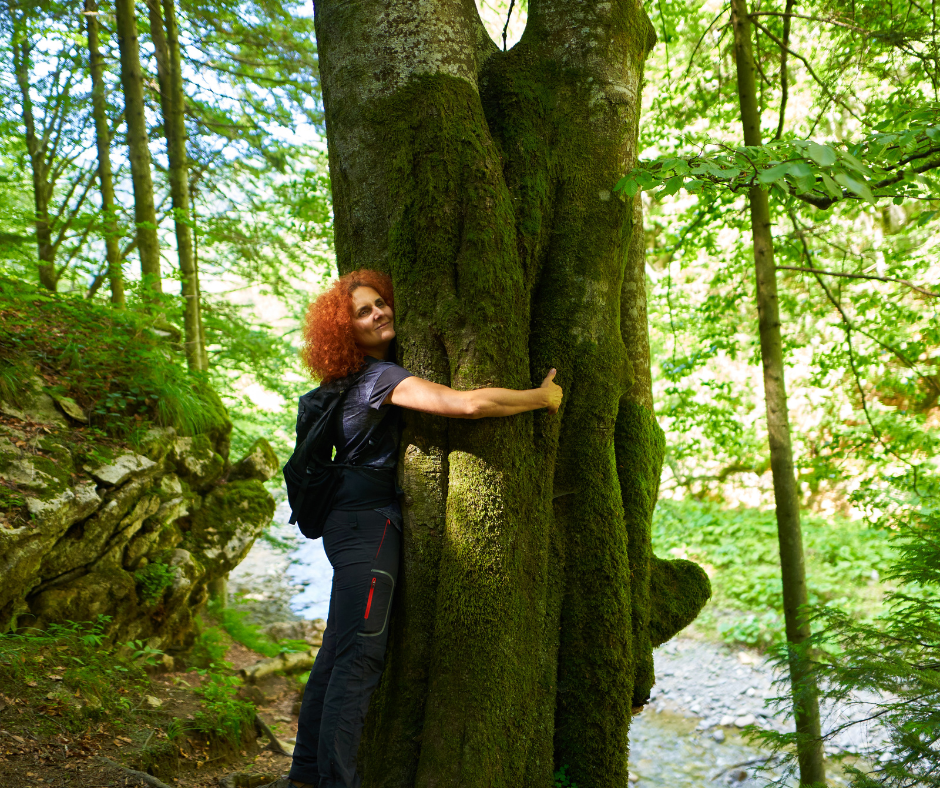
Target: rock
37,405
152,701
309,631
28,474
157,442
726,721
633,777
231,517
259,463
126,466
70,408
719,736
197,461
282,663
737,775
745,720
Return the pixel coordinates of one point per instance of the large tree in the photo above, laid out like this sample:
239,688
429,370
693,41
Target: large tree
481,180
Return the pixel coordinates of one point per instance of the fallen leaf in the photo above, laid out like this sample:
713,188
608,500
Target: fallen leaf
31,684
54,677
124,738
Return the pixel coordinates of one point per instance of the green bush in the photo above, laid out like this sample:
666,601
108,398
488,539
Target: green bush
739,549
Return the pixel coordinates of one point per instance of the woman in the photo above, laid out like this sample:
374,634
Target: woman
349,330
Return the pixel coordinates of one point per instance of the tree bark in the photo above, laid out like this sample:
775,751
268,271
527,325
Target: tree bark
103,143
481,180
786,494
145,214
42,189
165,35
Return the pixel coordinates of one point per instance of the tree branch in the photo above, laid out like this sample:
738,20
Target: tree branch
835,22
783,69
858,276
812,73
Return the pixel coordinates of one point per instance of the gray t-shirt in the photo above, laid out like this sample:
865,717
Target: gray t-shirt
366,434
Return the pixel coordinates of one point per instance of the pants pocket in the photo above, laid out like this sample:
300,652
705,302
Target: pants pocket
378,604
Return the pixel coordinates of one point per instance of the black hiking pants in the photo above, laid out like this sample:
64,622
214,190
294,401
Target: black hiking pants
363,548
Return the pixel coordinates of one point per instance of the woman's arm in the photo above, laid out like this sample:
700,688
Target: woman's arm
427,397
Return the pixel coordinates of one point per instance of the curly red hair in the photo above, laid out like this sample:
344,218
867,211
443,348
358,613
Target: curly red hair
329,350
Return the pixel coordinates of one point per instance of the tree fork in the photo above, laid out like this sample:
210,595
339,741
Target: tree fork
803,684
103,144
145,214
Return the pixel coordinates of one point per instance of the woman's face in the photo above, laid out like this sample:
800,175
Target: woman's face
373,321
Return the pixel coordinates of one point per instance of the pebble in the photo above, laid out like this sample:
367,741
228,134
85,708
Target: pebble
719,736
744,721
634,777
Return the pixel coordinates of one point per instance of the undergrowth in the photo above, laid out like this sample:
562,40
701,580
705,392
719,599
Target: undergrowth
738,548
69,677
222,713
233,623
76,676
123,373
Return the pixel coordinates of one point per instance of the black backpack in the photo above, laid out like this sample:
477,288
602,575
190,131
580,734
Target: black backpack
310,474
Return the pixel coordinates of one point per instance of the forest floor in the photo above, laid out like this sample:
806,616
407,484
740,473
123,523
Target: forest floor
47,737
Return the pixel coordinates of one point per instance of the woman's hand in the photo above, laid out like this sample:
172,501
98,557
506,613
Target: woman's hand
554,392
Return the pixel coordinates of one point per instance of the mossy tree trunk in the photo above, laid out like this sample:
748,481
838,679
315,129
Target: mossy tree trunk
481,180
103,145
138,144
786,495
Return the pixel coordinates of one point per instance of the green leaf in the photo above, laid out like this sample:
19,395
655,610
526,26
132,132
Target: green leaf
628,185
925,217
672,186
774,173
834,191
800,169
898,200
854,163
823,155
859,187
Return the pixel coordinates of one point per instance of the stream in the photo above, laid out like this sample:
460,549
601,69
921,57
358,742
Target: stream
688,736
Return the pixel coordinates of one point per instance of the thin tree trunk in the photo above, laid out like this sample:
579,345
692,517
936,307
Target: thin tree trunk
786,495
103,142
145,214
42,191
165,34
195,226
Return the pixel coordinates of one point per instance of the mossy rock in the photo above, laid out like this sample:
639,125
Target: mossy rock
260,462
231,518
